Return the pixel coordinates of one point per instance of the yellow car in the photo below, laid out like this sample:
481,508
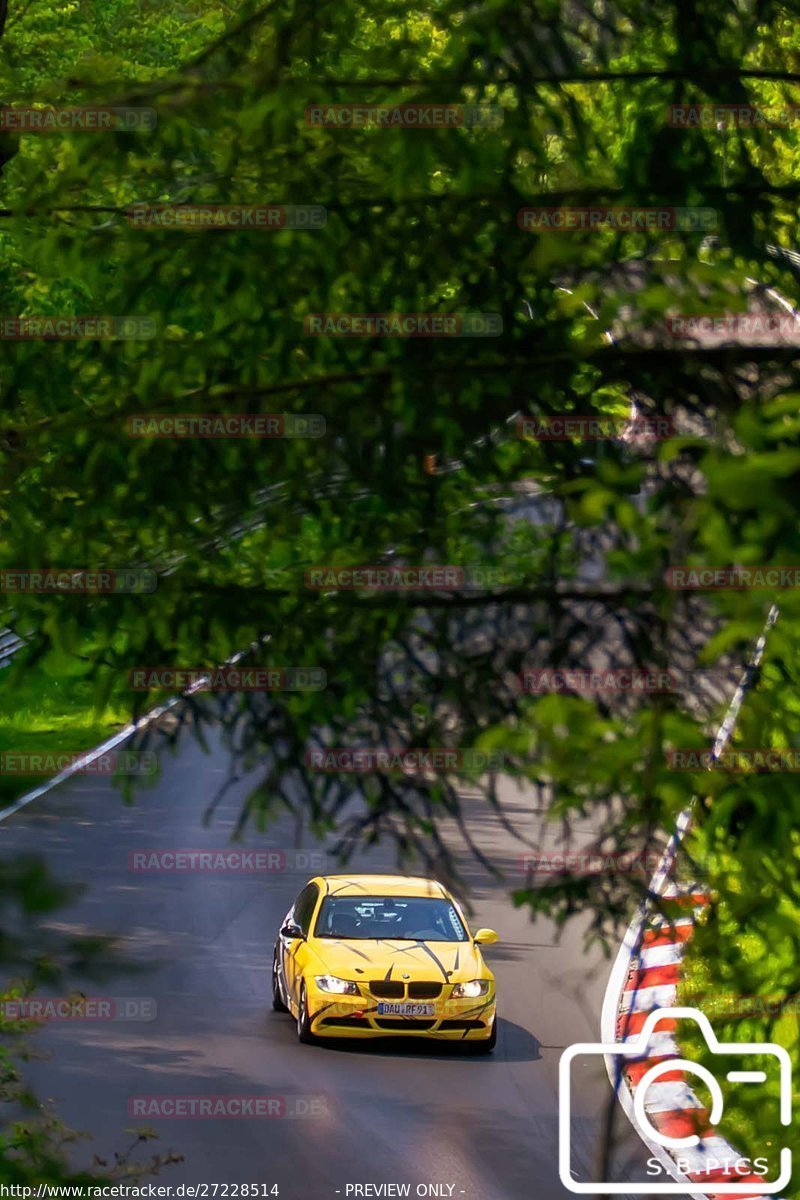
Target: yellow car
383,955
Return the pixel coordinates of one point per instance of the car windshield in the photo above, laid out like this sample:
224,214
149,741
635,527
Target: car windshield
398,918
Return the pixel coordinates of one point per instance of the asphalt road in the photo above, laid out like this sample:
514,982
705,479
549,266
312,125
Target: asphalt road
376,1113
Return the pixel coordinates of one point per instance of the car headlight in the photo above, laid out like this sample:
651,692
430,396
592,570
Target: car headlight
332,983
475,987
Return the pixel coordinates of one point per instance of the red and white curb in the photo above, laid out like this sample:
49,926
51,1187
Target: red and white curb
644,980
649,984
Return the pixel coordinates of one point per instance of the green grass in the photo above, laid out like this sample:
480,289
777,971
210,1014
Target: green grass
40,714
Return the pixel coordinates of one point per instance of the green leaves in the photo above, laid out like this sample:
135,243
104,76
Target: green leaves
421,463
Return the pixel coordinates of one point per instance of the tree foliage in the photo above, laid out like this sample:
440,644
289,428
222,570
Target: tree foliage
425,220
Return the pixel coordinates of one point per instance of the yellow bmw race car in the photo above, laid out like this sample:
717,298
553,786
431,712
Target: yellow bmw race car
383,955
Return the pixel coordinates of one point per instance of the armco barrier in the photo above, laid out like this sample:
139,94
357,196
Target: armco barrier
9,645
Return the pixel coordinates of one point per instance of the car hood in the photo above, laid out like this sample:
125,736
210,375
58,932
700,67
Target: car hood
448,962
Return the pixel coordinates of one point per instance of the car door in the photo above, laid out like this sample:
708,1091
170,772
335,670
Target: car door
295,951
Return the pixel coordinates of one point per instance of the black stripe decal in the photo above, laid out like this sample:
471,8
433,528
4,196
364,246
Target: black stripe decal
401,949
481,1010
445,974
348,883
360,953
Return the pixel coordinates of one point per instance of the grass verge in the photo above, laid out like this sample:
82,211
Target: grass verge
43,715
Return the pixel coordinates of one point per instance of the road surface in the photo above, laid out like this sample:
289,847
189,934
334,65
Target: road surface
378,1113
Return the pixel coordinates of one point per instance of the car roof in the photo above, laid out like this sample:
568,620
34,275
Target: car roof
381,885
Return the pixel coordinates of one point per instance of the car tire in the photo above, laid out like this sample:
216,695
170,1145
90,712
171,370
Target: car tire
487,1046
304,1033
277,999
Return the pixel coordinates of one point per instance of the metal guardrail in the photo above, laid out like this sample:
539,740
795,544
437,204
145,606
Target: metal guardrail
789,256
9,645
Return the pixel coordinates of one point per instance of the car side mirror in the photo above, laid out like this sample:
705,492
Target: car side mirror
485,937
291,930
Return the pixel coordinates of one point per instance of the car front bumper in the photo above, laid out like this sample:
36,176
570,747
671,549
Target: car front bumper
358,1016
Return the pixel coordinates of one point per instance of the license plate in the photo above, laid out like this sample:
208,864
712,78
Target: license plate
386,1009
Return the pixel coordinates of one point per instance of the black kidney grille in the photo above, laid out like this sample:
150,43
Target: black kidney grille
387,989
424,991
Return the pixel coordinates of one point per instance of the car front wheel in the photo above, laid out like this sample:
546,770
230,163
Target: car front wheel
304,1033
277,998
